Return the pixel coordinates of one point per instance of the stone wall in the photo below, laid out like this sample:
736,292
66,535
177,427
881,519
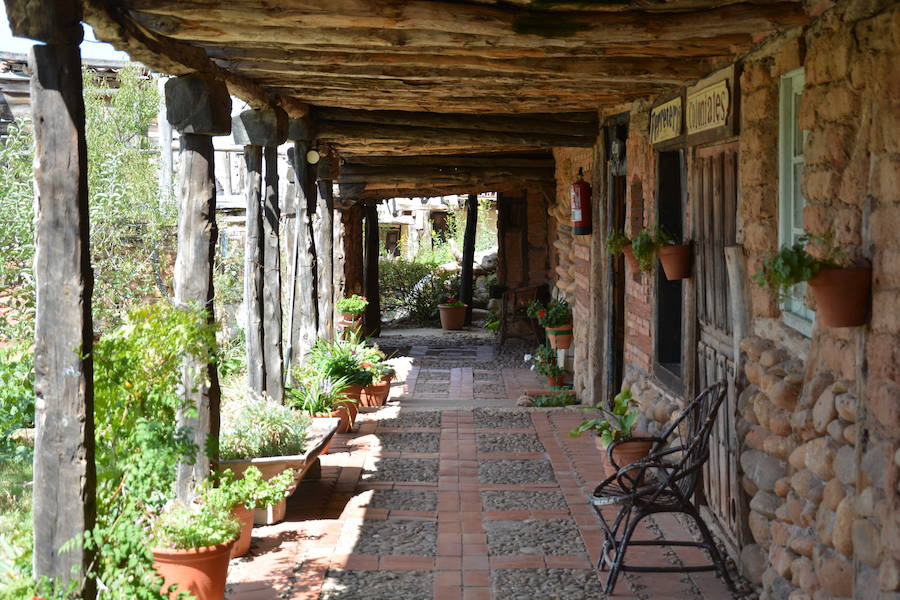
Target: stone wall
572,255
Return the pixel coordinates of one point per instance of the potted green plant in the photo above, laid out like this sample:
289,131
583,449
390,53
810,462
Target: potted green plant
377,392
674,258
840,287
556,319
318,395
245,494
453,313
191,545
342,359
273,438
646,244
353,307
616,423
619,243
544,361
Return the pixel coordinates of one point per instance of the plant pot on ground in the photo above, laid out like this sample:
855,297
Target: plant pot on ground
675,261
556,319
352,308
613,425
453,314
545,362
191,546
840,286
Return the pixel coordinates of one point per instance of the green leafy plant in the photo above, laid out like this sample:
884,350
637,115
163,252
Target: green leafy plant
616,241
249,490
614,424
544,361
492,322
315,393
16,395
556,314
342,359
412,290
647,243
194,526
259,427
554,400
354,305
791,265
453,301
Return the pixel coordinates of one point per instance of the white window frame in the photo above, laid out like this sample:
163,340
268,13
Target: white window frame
794,311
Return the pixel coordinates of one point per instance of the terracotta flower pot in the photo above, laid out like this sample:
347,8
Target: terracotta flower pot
560,337
625,454
351,316
842,296
242,544
341,413
630,258
200,571
452,317
676,261
556,381
352,410
376,393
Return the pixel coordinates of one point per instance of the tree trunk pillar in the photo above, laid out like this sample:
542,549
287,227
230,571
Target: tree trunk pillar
253,270
64,471
325,250
352,218
302,315
372,319
198,108
272,335
466,283
260,131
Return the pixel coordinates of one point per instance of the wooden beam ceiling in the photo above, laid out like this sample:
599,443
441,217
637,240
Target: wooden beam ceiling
509,56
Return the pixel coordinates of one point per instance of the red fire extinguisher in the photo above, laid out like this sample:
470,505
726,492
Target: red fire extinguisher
581,205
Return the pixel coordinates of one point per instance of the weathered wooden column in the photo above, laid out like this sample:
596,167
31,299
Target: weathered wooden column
253,269
466,282
198,108
324,229
352,219
64,493
265,129
372,318
302,318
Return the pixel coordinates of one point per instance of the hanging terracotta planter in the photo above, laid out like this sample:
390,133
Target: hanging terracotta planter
556,380
200,571
842,296
242,544
629,256
560,338
452,317
676,261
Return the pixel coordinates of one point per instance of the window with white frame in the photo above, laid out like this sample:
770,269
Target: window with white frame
790,177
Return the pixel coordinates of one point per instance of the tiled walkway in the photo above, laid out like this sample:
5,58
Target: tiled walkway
433,498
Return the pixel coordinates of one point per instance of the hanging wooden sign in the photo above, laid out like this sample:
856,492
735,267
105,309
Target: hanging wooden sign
665,121
708,108
710,111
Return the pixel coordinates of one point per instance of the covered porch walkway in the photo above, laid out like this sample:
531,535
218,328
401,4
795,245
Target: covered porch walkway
453,492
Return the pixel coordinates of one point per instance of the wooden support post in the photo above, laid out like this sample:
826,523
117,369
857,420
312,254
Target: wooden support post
324,229
302,316
198,107
352,219
372,319
253,273
272,335
466,282
64,472
255,130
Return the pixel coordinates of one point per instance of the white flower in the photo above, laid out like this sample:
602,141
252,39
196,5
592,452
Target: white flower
527,357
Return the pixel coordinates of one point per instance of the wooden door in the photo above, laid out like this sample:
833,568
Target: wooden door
715,227
512,233
615,133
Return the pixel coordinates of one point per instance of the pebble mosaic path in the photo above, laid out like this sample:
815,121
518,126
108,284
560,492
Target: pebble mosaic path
435,499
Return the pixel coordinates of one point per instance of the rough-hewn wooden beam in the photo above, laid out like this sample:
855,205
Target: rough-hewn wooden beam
581,124
415,176
174,57
521,160
337,131
64,489
430,23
